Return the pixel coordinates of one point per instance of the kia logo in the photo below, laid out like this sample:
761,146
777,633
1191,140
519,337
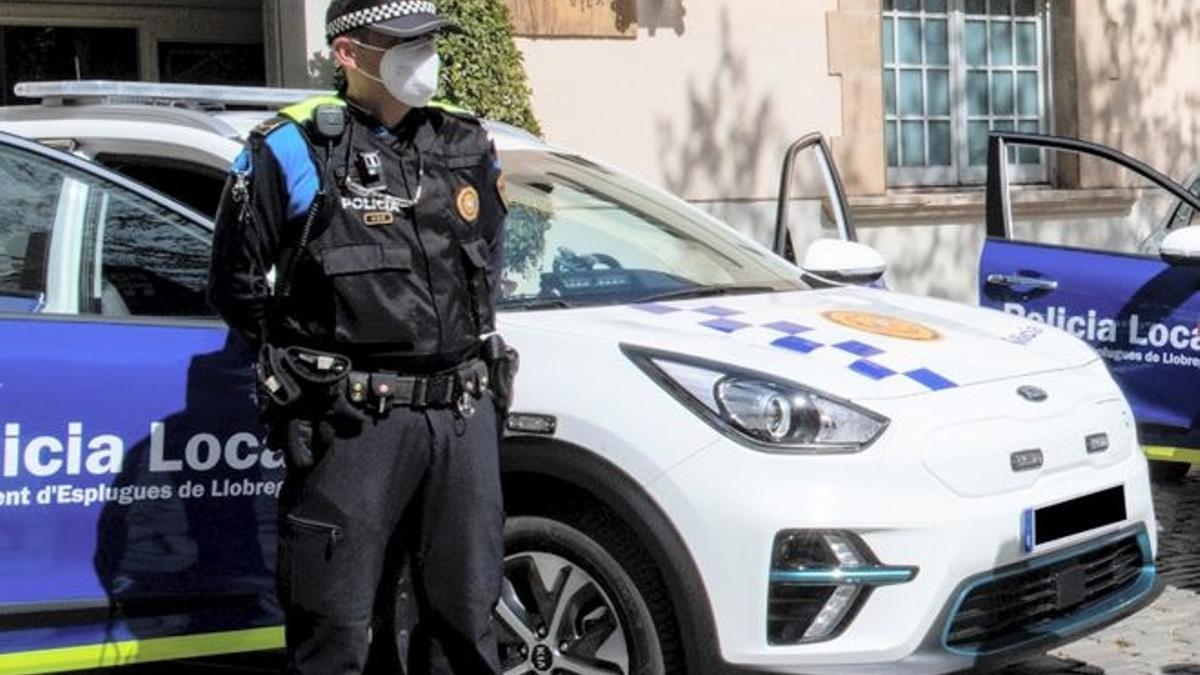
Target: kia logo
1032,394
542,658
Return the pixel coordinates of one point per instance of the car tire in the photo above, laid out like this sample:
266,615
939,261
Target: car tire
1169,472
604,620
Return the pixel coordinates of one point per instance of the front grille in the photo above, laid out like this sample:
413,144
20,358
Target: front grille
1009,609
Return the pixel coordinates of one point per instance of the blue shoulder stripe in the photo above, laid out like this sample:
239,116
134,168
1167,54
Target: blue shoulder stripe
242,163
299,173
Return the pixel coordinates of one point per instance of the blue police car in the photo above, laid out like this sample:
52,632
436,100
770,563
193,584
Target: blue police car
1125,279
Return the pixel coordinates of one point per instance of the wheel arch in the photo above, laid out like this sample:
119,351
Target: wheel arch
582,473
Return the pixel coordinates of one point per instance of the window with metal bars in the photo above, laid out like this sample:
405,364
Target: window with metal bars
953,70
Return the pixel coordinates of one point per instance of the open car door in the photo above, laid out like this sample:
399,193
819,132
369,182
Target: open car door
812,201
813,228
1108,279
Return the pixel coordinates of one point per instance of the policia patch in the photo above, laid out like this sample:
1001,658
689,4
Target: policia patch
468,204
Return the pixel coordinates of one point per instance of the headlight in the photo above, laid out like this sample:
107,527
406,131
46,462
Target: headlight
759,410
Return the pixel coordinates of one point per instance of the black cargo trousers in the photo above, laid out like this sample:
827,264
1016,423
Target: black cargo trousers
413,490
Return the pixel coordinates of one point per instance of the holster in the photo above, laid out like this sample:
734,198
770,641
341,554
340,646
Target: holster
301,443
503,362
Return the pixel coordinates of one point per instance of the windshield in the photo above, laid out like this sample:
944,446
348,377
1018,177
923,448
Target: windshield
580,234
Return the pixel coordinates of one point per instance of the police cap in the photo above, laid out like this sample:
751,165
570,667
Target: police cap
404,19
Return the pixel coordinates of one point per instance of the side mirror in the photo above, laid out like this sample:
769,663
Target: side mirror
833,262
1182,246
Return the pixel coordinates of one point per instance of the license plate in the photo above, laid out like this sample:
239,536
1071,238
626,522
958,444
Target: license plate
1058,521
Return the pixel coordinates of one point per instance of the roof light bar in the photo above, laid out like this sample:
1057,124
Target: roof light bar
110,91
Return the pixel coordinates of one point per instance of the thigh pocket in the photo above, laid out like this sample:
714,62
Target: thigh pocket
376,295
312,559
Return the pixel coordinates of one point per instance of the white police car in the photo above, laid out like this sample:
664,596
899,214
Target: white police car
711,466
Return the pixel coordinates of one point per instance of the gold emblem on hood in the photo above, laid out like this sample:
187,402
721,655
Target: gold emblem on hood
879,324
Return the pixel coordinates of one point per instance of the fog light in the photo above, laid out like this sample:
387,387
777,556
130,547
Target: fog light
832,613
819,581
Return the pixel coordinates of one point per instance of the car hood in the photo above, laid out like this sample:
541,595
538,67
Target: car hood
859,343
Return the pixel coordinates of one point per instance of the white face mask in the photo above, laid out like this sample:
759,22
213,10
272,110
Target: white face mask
409,71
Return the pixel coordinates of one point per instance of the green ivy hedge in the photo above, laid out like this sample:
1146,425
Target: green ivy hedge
482,70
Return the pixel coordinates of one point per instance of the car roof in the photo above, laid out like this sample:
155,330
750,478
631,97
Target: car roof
230,112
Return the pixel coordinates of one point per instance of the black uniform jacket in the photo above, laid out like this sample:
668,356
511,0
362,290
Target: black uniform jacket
387,244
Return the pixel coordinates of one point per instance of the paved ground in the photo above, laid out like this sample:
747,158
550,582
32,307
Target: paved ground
1163,639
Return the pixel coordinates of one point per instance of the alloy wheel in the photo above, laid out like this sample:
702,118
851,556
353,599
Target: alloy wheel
554,617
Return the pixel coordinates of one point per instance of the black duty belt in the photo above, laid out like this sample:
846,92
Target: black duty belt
379,391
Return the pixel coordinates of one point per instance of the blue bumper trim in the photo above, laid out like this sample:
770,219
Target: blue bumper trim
845,576
1078,622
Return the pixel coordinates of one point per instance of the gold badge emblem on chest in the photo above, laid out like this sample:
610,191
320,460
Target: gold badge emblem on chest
377,218
468,204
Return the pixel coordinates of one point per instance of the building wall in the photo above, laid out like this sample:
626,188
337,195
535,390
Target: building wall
1125,76
706,107
295,40
1139,82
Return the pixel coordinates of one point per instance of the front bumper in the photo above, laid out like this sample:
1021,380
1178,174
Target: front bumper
730,503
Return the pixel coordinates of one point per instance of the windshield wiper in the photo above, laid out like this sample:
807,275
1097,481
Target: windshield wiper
705,292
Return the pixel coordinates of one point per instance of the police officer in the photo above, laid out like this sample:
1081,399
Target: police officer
382,219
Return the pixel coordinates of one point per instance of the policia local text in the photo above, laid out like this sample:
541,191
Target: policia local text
1095,328
104,454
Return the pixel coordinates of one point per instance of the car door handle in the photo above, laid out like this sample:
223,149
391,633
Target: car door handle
1015,280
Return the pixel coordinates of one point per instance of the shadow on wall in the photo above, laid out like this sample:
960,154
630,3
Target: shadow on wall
718,145
1128,110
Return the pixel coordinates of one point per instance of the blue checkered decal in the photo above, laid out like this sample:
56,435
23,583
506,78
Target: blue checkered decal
862,357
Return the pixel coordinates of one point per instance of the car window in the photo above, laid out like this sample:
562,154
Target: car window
1123,210
195,185
578,232
142,259
1183,216
29,191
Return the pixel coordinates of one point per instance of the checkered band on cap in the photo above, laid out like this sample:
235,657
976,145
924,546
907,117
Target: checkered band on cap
373,15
